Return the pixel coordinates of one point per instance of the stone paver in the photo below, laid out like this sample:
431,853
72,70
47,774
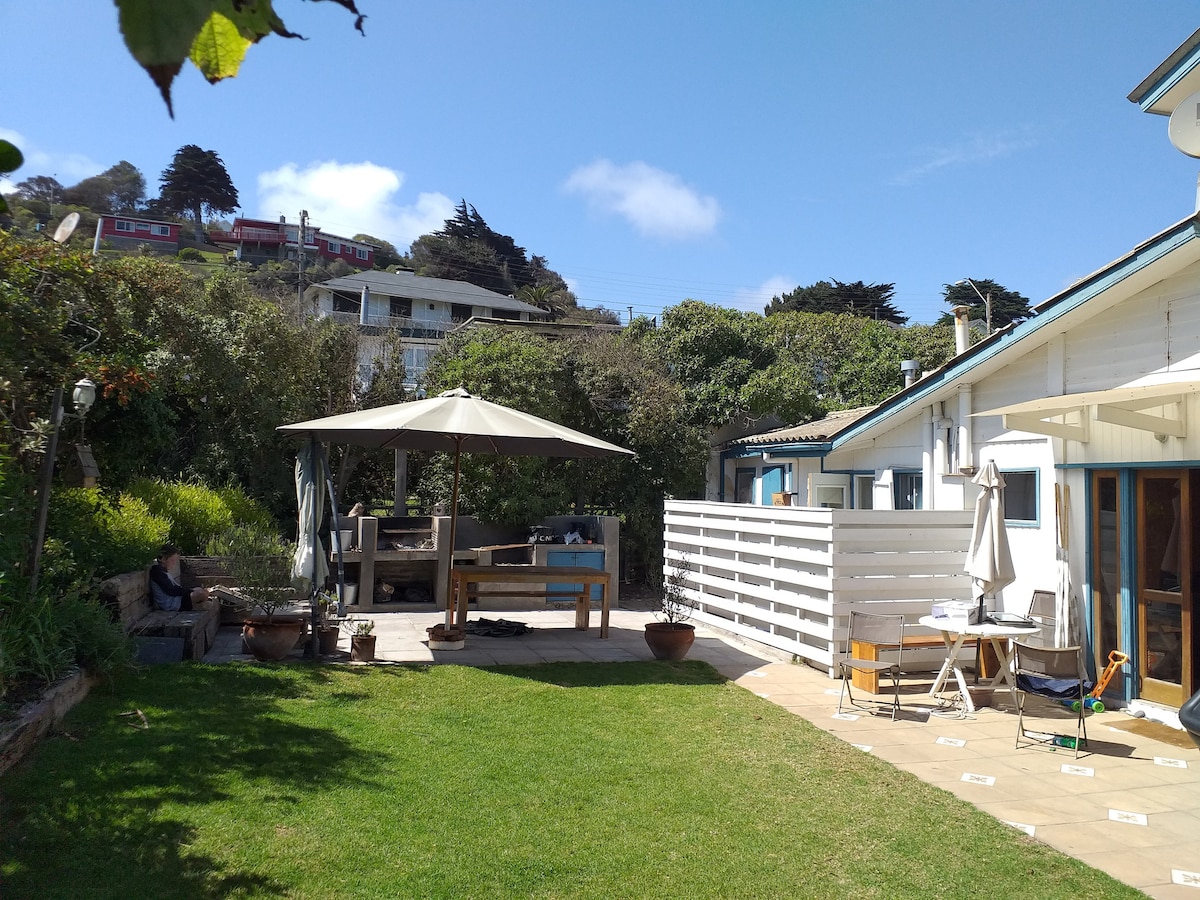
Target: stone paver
1130,806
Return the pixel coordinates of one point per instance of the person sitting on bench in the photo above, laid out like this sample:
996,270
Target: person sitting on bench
169,594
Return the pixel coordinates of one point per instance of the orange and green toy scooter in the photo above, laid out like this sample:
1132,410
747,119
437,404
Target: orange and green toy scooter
1092,701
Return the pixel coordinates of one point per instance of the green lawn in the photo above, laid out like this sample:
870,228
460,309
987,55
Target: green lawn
564,780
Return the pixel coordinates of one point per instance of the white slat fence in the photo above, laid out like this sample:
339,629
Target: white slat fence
786,576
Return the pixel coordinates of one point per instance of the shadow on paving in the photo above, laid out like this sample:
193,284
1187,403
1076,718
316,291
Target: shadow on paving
91,817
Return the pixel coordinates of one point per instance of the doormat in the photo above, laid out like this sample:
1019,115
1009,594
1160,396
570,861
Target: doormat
1157,731
497,628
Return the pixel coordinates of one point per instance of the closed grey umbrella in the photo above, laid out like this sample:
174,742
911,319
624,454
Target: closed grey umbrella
455,422
309,567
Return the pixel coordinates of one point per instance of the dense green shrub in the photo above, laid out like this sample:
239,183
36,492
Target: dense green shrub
93,535
41,639
16,518
197,513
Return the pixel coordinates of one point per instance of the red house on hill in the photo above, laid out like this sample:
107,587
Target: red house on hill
261,240
130,232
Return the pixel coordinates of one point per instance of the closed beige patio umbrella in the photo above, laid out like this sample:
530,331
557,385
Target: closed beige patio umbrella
989,562
455,422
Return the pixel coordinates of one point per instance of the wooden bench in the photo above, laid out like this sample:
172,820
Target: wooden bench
869,681
466,581
162,636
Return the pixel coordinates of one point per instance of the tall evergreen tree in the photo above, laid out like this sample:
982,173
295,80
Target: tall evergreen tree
1007,306
870,301
467,249
197,181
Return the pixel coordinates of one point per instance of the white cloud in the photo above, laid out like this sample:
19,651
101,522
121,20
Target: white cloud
656,203
351,198
969,151
757,299
67,168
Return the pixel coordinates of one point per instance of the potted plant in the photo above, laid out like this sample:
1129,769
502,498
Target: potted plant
362,641
671,636
260,563
327,627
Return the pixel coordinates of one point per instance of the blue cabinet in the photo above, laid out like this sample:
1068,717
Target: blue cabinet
587,557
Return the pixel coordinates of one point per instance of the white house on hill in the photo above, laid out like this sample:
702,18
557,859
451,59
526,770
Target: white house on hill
423,310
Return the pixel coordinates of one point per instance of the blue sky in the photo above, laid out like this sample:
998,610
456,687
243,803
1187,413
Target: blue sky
658,151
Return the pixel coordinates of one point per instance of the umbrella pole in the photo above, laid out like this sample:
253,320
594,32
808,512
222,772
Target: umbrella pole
333,511
451,600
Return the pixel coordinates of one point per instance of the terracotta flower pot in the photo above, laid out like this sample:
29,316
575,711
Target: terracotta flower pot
327,640
271,639
668,640
362,647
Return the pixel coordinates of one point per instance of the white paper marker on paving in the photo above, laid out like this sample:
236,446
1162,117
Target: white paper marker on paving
1069,769
1132,818
951,742
988,780
1173,763
1190,879
1021,826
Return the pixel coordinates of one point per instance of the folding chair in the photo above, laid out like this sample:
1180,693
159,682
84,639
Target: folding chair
885,632
1041,613
1055,673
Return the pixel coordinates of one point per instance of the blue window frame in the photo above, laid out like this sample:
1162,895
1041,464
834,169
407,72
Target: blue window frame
907,489
1021,497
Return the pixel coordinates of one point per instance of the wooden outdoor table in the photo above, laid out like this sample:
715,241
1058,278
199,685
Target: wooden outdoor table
465,582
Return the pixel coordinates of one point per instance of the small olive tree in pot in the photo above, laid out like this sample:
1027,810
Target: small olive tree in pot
672,635
260,563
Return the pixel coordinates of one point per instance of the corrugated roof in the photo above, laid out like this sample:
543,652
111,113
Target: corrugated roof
421,287
820,430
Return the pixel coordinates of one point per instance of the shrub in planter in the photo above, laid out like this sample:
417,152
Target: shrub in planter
260,563
672,635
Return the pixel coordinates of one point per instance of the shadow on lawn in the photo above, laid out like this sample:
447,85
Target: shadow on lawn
89,813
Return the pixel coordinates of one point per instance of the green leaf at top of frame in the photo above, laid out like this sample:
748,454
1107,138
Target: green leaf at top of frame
219,48
10,157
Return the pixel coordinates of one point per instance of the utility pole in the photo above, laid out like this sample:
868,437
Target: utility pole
630,315
300,266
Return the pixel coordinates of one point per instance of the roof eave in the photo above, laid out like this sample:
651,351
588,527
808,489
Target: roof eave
958,368
1162,90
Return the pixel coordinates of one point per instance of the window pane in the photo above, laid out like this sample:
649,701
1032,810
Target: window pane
1020,496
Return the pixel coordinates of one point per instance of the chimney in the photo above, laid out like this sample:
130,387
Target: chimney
962,329
364,305
912,371
283,220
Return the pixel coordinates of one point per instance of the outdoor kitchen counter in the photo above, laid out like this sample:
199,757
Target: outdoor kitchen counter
466,580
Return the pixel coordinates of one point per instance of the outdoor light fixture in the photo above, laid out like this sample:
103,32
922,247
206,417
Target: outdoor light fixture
83,396
987,301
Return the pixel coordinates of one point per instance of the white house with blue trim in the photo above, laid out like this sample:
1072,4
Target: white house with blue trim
1091,410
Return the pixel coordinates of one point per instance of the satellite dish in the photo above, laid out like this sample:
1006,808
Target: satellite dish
1184,126
66,227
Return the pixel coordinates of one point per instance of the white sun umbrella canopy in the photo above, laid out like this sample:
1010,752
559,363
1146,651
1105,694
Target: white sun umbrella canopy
989,562
455,422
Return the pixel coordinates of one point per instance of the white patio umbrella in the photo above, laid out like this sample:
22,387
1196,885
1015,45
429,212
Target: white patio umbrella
309,567
455,422
989,562
1065,620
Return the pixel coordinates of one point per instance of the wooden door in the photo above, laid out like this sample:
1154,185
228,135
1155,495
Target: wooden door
1166,544
1106,567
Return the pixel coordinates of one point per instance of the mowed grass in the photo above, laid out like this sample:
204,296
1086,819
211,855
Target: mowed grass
560,780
